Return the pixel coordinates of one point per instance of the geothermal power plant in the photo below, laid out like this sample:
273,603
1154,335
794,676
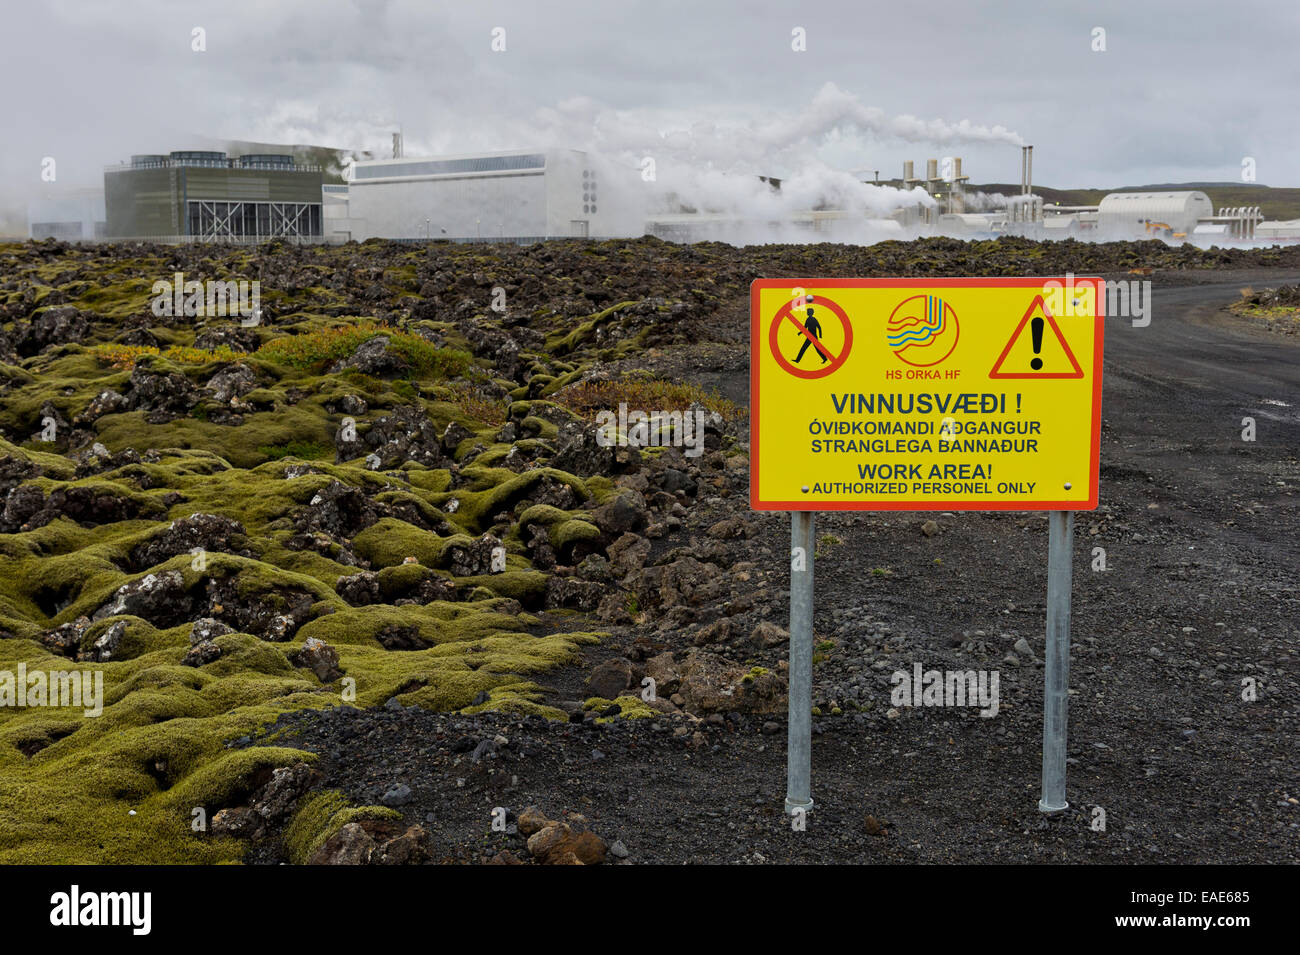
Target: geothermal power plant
531,195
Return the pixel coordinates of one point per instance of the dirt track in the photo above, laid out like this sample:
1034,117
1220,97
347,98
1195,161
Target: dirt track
1199,529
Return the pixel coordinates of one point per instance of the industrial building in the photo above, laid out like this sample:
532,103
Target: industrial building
206,195
1185,214
1281,230
517,194
1175,214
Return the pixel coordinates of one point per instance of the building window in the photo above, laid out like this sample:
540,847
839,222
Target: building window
442,167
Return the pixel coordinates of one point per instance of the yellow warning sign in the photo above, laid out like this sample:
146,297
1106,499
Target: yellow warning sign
925,394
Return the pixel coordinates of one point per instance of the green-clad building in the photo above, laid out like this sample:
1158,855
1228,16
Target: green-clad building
208,195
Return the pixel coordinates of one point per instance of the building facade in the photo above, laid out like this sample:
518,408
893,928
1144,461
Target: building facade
208,195
519,194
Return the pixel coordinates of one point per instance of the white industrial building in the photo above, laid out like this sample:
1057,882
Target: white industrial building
1160,214
518,194
1282,229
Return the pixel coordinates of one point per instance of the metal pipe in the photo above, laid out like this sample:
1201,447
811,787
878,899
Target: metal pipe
1056,677
798,792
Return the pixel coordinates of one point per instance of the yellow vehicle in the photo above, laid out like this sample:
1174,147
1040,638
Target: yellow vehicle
1163,229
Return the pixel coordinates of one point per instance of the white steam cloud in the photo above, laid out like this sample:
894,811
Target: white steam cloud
704,137
709,163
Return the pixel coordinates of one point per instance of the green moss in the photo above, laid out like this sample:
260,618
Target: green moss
52,465
282,426
493,490
320,816
304,450
118,299
568,533
630,707
562,344
544,514
526,586
163,743
390,541
158,749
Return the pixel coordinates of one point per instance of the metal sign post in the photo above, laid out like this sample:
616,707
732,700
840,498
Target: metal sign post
798,792
1056,677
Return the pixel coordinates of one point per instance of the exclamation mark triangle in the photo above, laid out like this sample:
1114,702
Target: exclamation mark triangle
1032,353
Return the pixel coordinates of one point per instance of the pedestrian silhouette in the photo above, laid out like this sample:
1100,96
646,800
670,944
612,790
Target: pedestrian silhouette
815,330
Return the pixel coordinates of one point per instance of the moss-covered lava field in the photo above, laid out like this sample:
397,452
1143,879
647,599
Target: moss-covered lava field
381,492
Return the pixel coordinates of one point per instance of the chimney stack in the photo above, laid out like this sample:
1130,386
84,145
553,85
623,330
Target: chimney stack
1026,170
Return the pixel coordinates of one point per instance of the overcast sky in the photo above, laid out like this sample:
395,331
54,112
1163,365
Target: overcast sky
1183,91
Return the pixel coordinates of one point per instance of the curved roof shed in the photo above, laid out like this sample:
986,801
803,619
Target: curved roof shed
1127,213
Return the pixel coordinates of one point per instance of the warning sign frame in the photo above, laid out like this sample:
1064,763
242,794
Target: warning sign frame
997,374
759,339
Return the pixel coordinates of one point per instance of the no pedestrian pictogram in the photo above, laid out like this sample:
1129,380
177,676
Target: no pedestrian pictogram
811,340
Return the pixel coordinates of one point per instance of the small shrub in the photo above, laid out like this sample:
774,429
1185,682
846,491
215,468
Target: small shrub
125,356
316,349
475,406
642,394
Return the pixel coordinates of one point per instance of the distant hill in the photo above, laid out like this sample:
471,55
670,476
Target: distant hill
1274,203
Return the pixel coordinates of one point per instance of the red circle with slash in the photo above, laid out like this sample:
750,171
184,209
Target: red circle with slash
786,314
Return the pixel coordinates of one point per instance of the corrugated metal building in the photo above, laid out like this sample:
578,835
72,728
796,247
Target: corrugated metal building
205,194
517,194
1128,214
